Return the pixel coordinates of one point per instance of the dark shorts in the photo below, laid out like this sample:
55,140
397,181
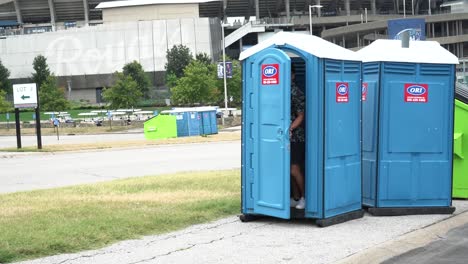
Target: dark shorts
297,152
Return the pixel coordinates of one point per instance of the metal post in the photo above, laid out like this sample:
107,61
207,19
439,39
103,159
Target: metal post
58,136
310,19
257,10
69,88
86,12
224,72
347,7
18,128
405,38
373,7
429,8
412,7
365,14
319,13
52,14
19,17
310,15
38,123
404,8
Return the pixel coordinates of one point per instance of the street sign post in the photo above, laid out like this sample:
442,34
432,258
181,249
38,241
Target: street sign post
109,116
25,95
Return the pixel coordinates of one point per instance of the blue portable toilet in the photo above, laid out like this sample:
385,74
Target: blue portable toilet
207,117
187,120
408,96
332,81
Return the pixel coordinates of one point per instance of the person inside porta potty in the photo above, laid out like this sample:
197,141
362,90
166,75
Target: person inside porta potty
297,139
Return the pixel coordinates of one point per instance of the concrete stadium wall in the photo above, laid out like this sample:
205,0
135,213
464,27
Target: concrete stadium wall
104,49
150,12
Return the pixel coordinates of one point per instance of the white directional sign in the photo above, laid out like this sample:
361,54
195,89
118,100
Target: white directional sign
25,95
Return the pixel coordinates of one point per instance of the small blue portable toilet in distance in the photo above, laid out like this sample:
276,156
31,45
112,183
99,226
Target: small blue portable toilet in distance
408,96
188,123
208,122
332,82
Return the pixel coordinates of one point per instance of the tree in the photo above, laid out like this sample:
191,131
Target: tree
135,70
52,97
5,84
198,85
5,106
124,94
203,58
234,86
41,70
177,59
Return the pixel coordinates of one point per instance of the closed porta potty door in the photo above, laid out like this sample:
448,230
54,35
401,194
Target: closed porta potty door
267,147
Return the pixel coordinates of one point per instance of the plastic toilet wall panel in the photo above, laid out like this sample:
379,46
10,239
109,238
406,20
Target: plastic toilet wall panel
270,123
370,110
415,138
342,139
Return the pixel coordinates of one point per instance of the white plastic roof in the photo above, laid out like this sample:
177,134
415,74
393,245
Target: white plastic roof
129,3
418,52
308,43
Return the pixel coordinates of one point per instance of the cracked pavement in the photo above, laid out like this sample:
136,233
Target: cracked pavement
266,240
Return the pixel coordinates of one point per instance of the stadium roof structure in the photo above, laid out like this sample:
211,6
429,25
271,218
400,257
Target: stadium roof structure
52,11
128,3
41,11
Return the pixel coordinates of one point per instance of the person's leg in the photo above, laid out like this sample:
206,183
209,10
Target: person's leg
294,189
298,178
297,157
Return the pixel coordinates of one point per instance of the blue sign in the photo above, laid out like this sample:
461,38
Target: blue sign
8,116
416,90
155,112
269,71
415,26
109,114
342,89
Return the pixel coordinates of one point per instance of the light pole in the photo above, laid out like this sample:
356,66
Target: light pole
224,72
310,15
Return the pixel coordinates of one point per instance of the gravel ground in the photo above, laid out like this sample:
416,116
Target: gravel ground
264,241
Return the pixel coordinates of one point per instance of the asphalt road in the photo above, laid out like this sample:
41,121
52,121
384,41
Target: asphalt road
49,170
451,249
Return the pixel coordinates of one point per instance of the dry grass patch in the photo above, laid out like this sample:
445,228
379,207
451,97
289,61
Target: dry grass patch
228,136
48,222
85,130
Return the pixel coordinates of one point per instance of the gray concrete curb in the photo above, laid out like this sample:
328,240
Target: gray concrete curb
407,242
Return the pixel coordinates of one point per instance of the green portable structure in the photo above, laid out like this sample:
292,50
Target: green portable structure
160,127
460,143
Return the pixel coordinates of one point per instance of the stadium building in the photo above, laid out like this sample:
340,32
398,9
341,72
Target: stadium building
87,41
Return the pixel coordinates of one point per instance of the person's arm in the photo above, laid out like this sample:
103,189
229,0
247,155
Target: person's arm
297,122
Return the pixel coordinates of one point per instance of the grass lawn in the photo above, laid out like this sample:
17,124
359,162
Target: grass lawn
83,130
49,222
229,136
